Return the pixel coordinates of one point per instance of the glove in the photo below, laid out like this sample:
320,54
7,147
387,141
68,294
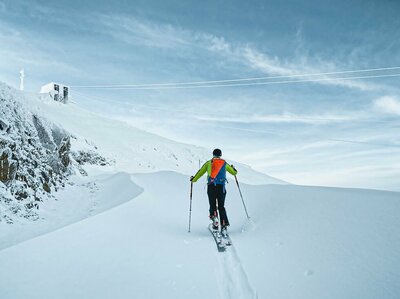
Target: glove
191,178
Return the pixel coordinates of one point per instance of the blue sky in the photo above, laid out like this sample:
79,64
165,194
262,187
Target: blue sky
340,132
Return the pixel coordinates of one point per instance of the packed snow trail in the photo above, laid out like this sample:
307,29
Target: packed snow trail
234,281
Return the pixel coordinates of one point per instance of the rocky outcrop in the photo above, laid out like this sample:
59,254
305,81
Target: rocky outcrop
89,157
35,157
8,166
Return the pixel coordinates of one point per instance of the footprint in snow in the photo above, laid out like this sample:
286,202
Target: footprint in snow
309,272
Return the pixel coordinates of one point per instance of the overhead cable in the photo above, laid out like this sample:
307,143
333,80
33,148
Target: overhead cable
222,83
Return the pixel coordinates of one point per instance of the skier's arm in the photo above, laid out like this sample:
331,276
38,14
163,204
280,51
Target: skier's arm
232,170
200,173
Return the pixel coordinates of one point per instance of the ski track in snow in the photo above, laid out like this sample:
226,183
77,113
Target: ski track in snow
234,282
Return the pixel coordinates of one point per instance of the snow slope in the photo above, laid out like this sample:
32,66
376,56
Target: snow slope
301,242
132,149
83,197
121,232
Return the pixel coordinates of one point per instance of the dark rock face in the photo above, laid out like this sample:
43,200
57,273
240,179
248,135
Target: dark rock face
64,151
89,157
8,166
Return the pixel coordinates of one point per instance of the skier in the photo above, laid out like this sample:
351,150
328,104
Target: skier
216,169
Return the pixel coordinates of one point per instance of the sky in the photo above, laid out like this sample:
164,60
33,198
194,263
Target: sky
327,129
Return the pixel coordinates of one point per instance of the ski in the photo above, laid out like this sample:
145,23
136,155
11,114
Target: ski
228,241
219,240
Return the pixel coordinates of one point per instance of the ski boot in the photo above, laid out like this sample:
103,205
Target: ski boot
224,231
215,223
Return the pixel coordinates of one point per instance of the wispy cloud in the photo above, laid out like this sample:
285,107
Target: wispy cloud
216,44
140,32
281,118
298,65
20,51
265,63
146,33
23,49
272,65
388,104
9,32
3,7
39,10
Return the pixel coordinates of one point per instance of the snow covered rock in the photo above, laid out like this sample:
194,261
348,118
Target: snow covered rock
8,166
35,157
89,157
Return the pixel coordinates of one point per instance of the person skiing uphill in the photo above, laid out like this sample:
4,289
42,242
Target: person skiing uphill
216,169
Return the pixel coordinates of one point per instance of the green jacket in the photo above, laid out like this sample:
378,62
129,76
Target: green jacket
207,168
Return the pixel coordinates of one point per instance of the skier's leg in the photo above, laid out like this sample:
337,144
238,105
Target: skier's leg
212,196
221,205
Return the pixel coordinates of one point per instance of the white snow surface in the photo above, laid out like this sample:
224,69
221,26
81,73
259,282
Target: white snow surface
122,231
301,242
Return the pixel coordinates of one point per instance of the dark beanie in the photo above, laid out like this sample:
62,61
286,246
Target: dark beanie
217,152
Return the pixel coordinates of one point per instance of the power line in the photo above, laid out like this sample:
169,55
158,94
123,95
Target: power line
271,132
158,85
281,118
364,142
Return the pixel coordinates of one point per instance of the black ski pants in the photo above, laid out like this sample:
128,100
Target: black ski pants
216,195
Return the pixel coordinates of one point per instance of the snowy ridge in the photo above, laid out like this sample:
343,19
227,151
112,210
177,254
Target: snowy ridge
133,150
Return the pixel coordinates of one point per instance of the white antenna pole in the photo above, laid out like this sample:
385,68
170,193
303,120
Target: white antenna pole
22,75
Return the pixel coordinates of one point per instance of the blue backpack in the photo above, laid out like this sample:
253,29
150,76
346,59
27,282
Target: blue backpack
218,172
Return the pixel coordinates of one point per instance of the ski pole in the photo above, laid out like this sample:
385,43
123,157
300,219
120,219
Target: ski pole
190,209
240,192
